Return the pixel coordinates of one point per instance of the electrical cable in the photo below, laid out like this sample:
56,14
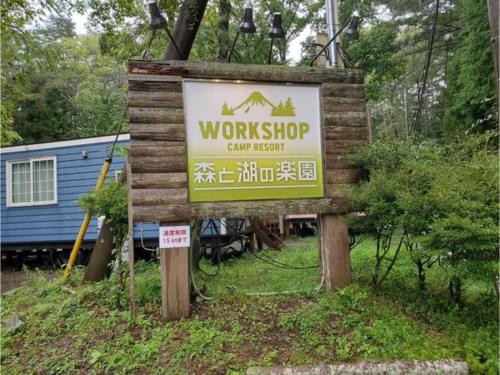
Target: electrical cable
111,153
145,53
142,241
329,42
278,264
287,265
191,273
175,44
421,92
232,46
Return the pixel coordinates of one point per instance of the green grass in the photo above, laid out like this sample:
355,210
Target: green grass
84,332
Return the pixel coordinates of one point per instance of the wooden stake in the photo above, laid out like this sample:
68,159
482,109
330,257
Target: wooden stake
174,268
131,257
335,252
369,123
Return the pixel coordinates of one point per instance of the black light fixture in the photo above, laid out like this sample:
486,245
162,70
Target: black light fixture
351,32
157,22
276,32
247,26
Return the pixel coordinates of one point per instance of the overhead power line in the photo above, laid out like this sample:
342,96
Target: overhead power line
421,92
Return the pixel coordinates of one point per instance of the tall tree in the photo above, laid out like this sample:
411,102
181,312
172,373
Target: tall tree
471,83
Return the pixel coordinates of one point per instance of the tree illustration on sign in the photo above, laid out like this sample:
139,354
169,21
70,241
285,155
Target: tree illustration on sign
226,110
257,99
286,109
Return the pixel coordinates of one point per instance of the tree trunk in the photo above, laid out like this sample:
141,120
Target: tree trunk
223,30
493,13
186,27
196,245
421,274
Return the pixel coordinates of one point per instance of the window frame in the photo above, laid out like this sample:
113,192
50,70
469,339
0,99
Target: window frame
8,181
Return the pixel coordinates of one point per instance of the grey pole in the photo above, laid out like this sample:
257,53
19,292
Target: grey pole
330,21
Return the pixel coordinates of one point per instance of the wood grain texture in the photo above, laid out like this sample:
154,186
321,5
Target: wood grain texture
339,104
268,73
157,132
155,78
154,86
158,164
152,197
159,180
158,136
343,146
343,90
347,119
158,99
337,162
140,115
343,176
239,209
335,257
172,150
345,132
174,271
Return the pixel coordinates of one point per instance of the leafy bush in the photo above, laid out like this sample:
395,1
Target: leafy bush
438,201
110,201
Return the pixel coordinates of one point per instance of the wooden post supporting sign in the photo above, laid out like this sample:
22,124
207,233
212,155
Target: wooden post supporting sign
335,255
211,140
174,269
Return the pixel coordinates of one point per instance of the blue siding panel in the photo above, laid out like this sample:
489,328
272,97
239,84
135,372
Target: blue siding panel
60,222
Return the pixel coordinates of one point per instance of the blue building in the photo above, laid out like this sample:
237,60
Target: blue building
40,187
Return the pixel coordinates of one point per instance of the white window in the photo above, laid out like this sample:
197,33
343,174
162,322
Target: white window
31,182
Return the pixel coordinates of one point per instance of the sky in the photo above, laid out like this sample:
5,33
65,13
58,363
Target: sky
294,50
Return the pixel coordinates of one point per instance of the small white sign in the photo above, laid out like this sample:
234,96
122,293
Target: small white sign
174,236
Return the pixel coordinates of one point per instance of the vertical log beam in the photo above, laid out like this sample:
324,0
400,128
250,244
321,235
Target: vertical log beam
335,255
174,269
131,253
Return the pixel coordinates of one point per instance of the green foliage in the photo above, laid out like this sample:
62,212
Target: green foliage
376,53
111,201
237,330
440,201
471,95
56,85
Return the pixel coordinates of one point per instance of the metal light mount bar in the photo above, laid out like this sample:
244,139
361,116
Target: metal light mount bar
247,26
158,22
331,22
351,27
276,32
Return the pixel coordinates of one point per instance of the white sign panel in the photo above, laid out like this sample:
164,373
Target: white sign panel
174,236
249,141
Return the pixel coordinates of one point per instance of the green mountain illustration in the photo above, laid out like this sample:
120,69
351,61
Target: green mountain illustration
257,99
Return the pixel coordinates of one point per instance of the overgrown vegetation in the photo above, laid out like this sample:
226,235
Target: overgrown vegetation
77,328
438,202
111,202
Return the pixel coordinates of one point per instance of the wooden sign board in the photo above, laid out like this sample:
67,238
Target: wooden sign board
165,186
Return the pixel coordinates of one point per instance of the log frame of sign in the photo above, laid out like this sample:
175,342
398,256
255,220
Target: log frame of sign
159,165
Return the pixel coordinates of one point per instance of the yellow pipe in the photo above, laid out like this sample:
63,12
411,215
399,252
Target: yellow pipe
86,222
